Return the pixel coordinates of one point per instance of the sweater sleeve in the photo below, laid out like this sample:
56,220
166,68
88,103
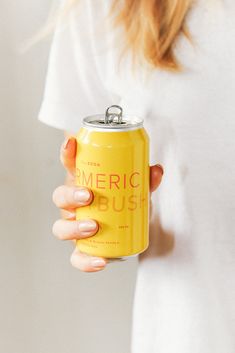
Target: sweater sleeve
74,87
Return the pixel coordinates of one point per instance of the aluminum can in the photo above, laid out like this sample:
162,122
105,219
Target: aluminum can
112,160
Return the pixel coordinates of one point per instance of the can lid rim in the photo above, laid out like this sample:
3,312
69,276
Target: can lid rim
97,121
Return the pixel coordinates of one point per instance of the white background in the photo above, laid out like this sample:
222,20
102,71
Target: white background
46,306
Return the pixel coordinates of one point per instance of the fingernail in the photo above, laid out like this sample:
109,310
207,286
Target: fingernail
82,195
65,144
161,167
86,226
98,263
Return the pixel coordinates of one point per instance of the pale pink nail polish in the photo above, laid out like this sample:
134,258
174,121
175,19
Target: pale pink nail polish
81,195
87,226
98,263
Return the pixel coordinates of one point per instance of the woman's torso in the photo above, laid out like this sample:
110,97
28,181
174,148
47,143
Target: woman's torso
186,278
185,291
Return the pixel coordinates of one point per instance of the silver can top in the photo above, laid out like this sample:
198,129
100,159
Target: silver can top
113,120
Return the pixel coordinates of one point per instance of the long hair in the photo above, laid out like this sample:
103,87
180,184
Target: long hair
151,28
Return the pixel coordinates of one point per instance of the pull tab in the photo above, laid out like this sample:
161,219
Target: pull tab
110,117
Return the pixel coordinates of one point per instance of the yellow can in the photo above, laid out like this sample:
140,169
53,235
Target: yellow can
113,161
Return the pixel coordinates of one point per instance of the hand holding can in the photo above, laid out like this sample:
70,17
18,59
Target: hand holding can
113,160
68,198
67,230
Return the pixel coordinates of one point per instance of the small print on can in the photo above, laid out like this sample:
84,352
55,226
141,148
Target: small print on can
113,162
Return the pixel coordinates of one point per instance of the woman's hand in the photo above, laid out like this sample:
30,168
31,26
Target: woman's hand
69,197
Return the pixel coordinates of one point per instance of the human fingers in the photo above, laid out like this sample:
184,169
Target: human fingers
68,154
87,263
70,197
65,229
156,173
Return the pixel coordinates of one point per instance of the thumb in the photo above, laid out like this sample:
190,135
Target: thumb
68,154
156,173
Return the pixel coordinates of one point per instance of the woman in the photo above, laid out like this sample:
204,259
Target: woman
182,82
